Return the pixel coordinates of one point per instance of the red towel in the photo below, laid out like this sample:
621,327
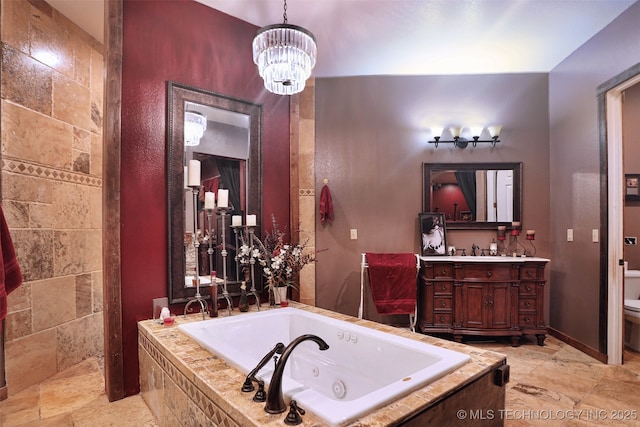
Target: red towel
10,275
393,282
326,205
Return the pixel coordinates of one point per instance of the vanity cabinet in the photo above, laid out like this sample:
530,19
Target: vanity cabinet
485,296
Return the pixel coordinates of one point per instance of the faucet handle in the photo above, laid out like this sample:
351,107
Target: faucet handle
293,417
261,395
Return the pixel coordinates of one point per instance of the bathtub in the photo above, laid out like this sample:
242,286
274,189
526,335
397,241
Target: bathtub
362,370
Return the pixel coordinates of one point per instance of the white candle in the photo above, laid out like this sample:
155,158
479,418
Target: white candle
194,173
223,198
236,220
251,220
209,200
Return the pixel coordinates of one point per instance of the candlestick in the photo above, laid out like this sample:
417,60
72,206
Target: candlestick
501,232
223,198
194,173
251,220
236,221
209,200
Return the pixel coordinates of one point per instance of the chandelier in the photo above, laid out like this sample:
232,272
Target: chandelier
194,126
285,55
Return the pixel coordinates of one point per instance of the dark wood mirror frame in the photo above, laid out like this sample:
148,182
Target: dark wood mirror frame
177,95
428,168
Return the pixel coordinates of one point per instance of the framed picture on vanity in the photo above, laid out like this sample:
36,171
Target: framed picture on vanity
433,235
632,187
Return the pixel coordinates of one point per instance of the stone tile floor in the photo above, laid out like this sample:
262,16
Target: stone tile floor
552,385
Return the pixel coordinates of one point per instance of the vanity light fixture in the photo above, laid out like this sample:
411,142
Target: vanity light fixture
285,55
460,142
194,126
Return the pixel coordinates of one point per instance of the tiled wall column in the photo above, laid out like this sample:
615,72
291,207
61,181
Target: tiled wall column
51,136
303,177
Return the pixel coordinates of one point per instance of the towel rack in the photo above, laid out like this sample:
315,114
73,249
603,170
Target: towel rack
363,266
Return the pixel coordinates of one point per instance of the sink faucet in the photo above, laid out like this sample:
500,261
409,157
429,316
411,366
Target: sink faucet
275,400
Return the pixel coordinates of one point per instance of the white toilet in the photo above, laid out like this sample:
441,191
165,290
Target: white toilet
632,309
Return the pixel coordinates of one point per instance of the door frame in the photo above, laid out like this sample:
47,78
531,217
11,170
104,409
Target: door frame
610,96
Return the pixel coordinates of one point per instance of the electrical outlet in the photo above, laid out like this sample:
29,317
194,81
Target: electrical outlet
354,234
595,235
569,234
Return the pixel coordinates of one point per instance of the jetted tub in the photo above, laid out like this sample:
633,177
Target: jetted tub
362,370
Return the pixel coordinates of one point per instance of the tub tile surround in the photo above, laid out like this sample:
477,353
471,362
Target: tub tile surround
180,377
51,190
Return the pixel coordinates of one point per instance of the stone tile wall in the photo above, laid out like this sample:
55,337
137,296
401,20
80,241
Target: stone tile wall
51,136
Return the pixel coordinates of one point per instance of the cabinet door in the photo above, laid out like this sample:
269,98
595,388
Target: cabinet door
499,310
486,305
475,302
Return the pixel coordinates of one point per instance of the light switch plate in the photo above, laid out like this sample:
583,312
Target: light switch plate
595,235
354,234
569,234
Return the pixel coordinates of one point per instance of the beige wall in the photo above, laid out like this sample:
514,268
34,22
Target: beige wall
51,190
371,141
631,153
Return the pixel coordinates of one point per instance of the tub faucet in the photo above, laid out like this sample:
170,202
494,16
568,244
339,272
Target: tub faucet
248,382
275,400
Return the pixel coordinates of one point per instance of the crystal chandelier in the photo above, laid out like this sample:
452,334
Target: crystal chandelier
194,126
285,55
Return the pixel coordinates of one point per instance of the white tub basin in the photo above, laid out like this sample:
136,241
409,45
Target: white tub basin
362,370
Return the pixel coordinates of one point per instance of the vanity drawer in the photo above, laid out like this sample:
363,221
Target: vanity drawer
442,288
444,271
525,320
442,303
437,270
529,272
527,304
527,289
442,318
487,272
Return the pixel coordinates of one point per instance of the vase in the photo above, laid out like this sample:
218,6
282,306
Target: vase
280,294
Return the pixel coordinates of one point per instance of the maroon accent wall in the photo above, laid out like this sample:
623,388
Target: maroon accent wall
185,42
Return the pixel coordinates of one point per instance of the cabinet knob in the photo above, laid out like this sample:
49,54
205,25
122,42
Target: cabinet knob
528,304
442,303
527,320
442,319
444,288
443,272
528,287
529,273
489,274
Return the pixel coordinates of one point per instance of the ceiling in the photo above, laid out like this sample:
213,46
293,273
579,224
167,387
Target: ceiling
417,37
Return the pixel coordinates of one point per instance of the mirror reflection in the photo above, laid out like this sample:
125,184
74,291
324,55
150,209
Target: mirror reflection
473,195
222,136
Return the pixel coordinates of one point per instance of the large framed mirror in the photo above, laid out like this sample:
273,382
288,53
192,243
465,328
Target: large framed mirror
229,149
473,195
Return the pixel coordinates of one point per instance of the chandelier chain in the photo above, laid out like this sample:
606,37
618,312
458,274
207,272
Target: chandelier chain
284,15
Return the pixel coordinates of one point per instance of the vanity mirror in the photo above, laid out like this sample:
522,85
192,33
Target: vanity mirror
473,195
230,155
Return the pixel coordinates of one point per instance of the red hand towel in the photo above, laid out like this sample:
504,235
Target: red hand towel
326,205
10,275
393,282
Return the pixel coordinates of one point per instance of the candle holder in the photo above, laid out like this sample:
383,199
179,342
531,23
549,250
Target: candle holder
195,189
222,211
531,236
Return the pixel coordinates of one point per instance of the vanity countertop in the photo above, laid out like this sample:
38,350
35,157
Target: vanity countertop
459,258
174,351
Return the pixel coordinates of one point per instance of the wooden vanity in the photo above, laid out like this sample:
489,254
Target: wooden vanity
483,296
